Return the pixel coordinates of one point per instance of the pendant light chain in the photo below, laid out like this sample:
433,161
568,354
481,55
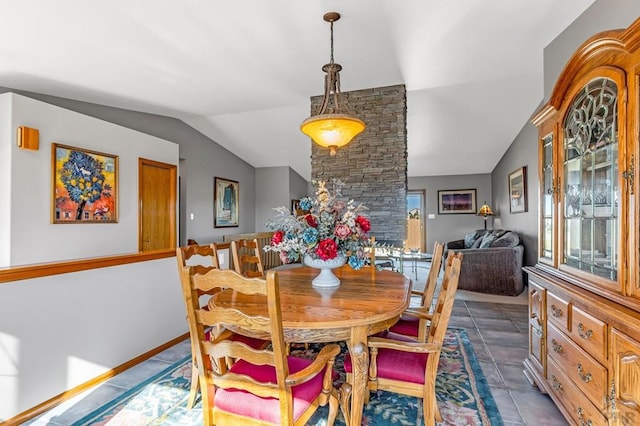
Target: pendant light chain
332,129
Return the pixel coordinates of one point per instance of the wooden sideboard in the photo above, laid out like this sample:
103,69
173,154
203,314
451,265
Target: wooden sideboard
584,292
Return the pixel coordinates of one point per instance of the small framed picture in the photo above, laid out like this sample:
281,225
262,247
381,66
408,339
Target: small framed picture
226,199
518,190
85,185
457,201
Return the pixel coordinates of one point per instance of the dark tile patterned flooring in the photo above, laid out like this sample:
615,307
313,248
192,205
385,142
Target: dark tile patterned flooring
498,332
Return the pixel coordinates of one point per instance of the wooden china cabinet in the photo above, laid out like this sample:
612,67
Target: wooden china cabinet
584,292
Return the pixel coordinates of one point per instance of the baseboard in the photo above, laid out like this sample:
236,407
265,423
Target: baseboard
70,393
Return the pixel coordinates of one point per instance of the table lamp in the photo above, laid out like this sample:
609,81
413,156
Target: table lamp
485,211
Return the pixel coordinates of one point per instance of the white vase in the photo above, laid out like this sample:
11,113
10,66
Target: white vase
326,277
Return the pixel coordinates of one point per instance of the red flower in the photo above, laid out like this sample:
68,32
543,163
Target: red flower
277,238
327,249
311,221
363,223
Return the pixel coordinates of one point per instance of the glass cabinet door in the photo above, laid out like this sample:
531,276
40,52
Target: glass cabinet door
547,199
590,209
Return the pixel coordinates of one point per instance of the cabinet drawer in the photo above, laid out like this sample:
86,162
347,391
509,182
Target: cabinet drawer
581,410
590,333
558,311
585,372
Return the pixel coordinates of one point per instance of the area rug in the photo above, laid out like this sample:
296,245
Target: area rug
463,395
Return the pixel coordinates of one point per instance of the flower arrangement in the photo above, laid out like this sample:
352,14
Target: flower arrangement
330,226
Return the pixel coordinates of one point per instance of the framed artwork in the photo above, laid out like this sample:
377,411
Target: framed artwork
518,190
85,186
226,199
457,201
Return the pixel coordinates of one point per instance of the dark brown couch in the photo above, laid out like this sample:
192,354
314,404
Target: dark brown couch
492,262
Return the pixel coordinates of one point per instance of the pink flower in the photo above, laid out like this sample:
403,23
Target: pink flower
327,249
311,221
342,231
277,238
283,257
339,205
363,223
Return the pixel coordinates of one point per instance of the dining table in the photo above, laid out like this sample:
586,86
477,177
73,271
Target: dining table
366,302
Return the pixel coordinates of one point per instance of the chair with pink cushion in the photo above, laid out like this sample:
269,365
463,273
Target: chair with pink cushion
204,258
416,318
404,365
263,386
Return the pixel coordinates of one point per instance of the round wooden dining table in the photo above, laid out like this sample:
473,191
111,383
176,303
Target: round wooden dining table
366,302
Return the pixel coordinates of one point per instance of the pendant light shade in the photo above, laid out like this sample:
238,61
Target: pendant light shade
331,128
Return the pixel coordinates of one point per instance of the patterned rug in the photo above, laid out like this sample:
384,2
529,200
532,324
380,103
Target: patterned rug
463,396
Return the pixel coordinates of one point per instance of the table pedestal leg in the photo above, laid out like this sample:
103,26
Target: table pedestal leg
360,368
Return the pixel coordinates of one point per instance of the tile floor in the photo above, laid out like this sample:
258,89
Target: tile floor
497,327
498,332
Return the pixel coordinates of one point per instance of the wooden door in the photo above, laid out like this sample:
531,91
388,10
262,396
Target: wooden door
157,205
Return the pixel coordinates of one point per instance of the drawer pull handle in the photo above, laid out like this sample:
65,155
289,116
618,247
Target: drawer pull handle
557,347
582,420
556,312
535,316
584,334
557,386
584,377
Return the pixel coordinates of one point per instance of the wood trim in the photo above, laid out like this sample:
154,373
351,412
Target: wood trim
68,394
26,272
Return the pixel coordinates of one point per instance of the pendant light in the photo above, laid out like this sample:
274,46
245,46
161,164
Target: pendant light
332,129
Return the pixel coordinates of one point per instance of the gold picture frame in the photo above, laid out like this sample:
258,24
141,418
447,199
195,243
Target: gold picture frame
85,185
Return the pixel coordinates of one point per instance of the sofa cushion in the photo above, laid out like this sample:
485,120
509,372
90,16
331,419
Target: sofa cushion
473,239
487,240
509,239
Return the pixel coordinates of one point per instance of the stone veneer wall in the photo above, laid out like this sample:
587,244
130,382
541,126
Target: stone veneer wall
374,165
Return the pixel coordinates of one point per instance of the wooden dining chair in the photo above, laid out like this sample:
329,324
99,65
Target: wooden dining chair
416,318
217,260
247,258
263,386
203,259
402,364
379,256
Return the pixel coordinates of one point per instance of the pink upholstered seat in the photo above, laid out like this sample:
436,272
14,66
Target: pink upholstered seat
397,365
406,325
268,409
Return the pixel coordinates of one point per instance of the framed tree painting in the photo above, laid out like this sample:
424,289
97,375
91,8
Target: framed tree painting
226,198
457,201
85,185
518,190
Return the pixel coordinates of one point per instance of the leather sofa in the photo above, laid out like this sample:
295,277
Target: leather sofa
492,262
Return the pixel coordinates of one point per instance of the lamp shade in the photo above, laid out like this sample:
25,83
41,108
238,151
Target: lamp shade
332,130
485,210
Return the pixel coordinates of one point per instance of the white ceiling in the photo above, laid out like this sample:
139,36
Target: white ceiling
242,71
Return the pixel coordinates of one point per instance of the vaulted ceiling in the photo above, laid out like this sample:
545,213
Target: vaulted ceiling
242,71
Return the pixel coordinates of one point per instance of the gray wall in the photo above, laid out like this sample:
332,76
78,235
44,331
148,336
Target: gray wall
601,16
523,152
449,227
201,160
